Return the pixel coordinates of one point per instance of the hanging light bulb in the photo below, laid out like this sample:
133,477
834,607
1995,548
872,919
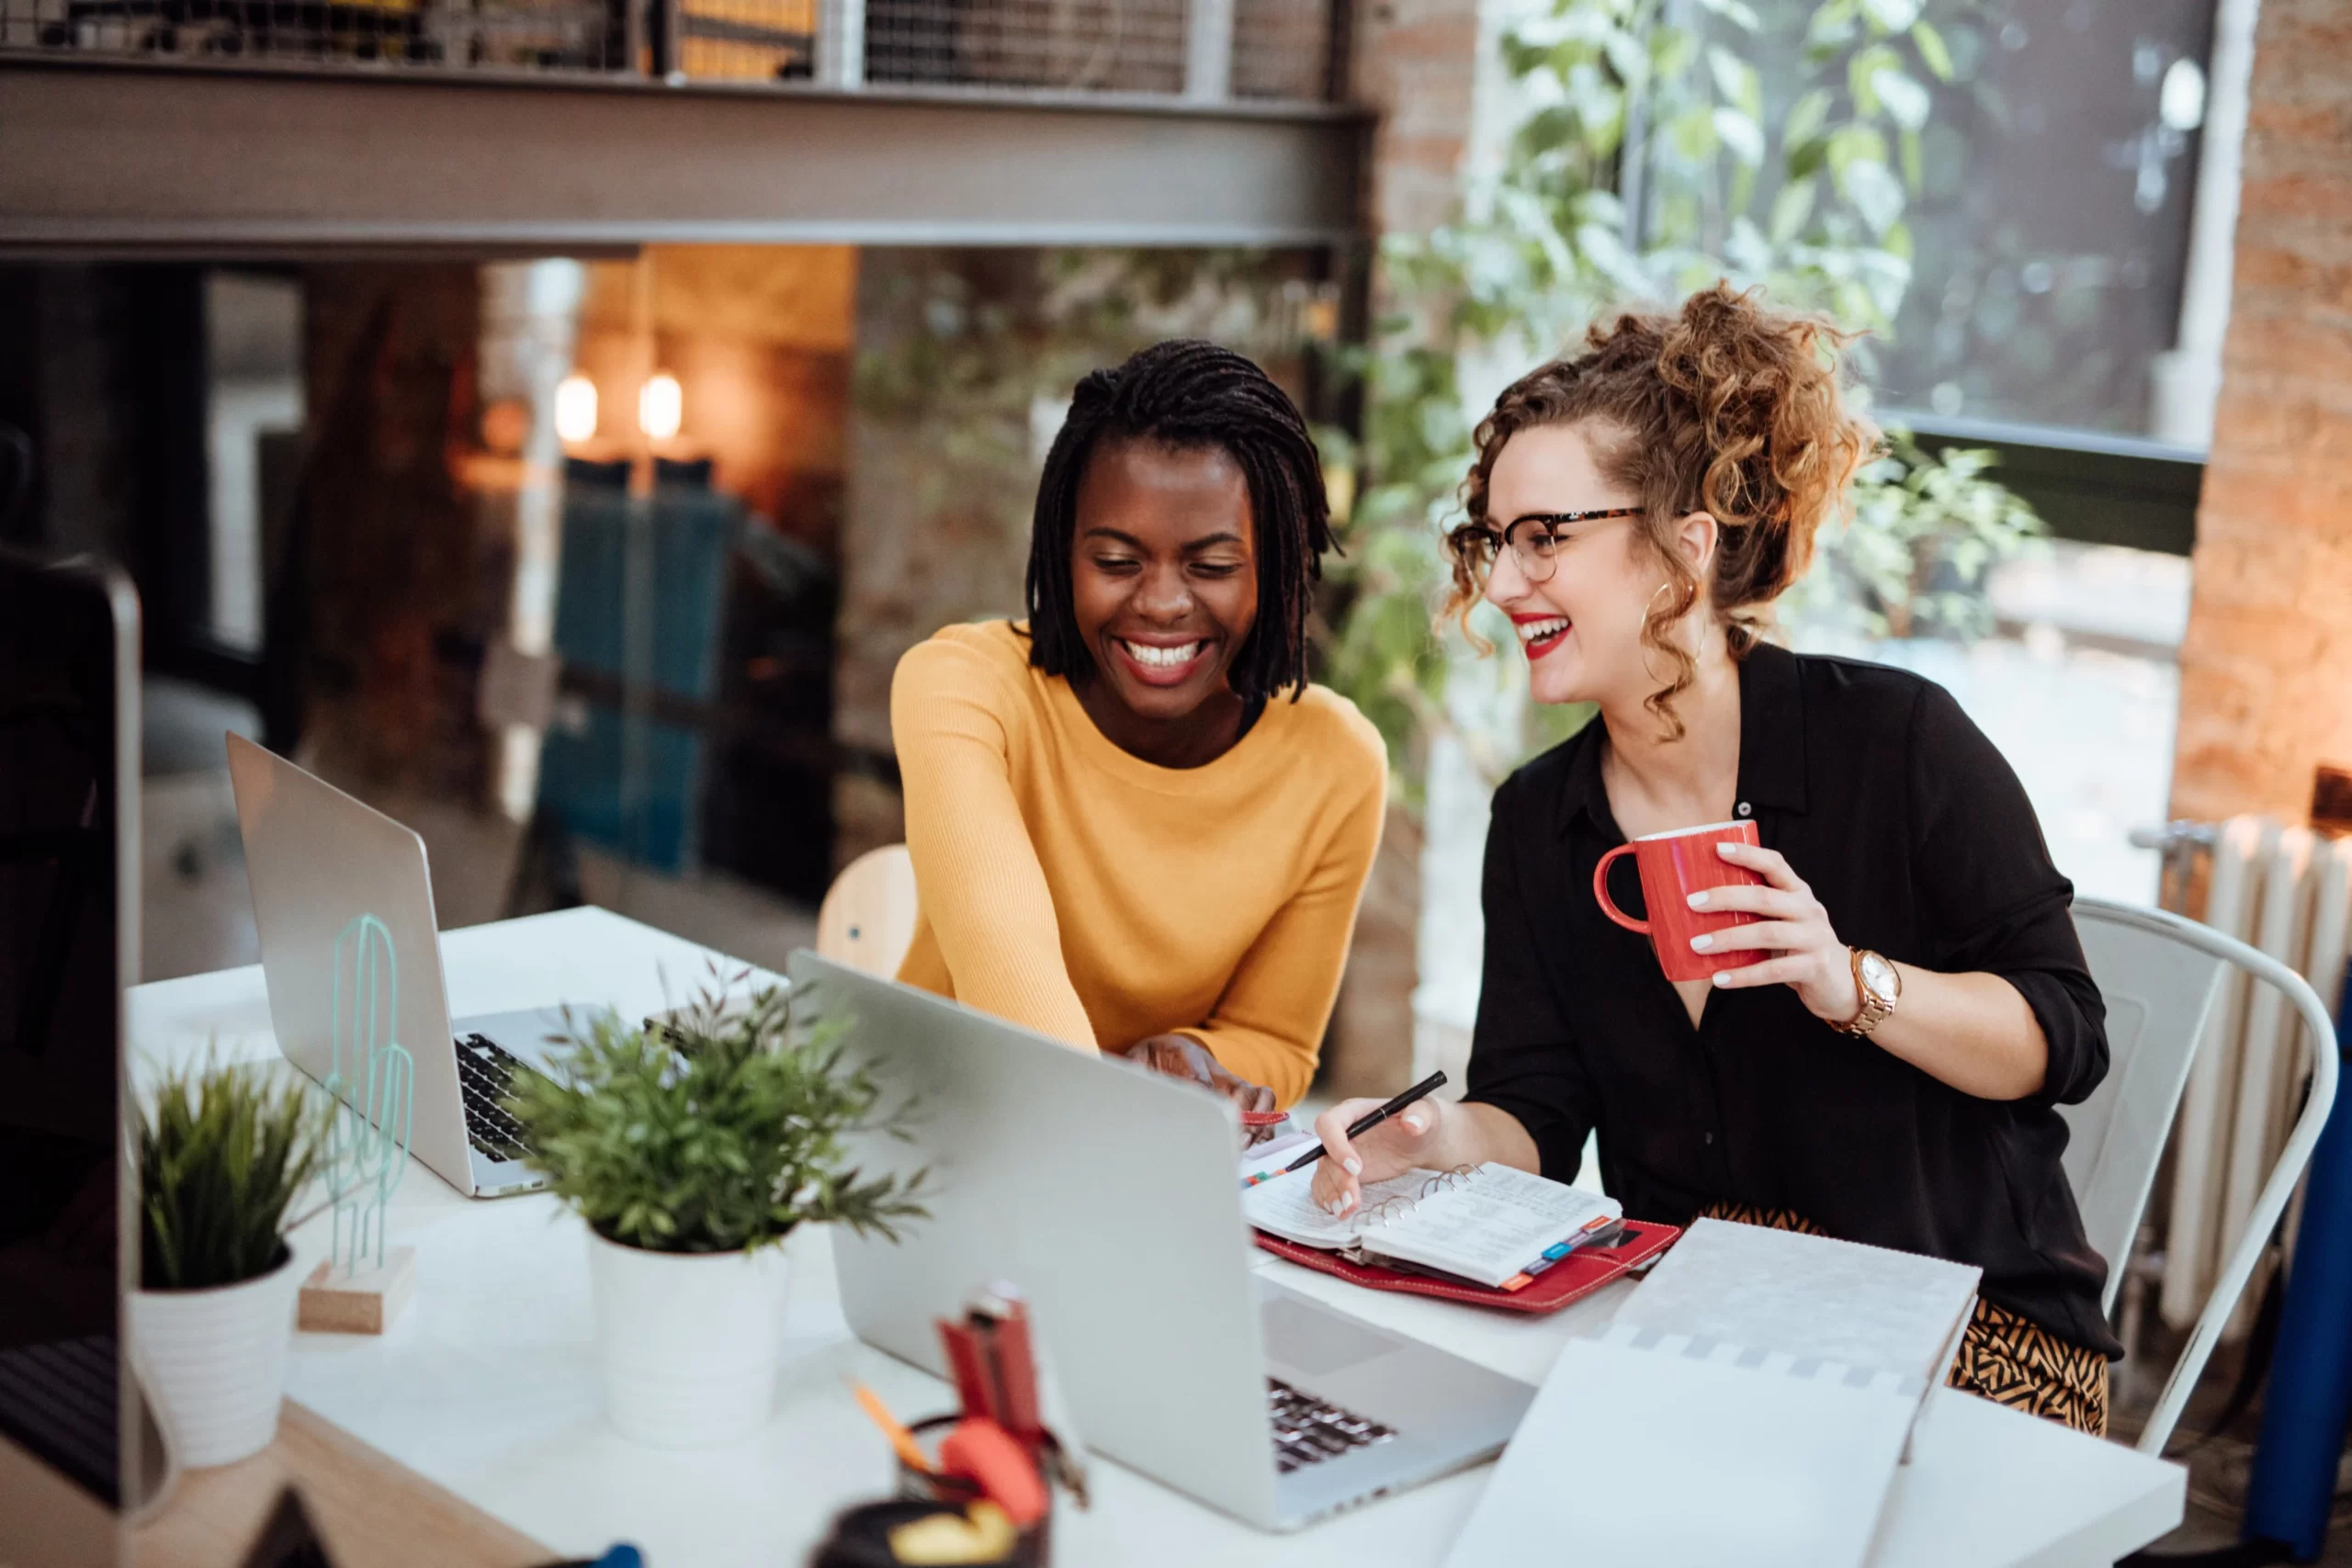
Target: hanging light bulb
660,407
575,408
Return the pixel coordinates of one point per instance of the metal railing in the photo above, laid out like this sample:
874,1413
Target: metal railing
1203,51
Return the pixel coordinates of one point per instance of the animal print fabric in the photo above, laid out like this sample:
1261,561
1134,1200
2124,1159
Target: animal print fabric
2003,1356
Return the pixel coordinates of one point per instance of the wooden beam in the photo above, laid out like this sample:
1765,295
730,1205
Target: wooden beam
139,159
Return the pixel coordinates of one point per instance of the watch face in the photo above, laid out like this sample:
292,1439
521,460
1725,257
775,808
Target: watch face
1878,975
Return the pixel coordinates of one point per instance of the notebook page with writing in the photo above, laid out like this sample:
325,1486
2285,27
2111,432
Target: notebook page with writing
1286,1207
1488,1224
1809,1295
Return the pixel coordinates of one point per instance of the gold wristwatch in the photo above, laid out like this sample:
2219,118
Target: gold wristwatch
1880,986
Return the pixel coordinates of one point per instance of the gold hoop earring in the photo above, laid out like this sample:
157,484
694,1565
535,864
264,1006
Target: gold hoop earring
1689,601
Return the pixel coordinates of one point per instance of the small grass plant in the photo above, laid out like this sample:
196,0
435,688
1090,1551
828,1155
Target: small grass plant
720,1131
224,1153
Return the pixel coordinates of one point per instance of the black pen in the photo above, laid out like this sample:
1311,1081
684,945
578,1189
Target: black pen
1371,1119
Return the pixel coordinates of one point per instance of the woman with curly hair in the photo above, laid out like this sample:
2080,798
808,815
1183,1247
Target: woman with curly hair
1888,1067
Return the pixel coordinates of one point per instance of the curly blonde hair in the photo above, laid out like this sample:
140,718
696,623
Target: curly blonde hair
1724,407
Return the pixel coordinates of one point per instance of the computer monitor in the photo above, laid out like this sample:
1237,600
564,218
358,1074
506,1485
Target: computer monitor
68,943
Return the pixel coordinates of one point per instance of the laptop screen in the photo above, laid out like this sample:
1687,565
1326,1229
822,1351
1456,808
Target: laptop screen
64,841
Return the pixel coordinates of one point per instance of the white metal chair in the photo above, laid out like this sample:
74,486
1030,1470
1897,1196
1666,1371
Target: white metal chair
867,919
2161,976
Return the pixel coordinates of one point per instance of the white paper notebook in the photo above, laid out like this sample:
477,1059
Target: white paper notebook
1809,1295
1697,1453
1487,1223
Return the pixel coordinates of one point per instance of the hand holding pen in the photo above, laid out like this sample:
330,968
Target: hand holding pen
1394,1138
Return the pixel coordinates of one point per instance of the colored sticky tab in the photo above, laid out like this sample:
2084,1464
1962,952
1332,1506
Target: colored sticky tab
1517,1282
1539,1266
1554,1253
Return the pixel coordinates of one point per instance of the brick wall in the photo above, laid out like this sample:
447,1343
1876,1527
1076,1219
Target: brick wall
2266,666
1416,64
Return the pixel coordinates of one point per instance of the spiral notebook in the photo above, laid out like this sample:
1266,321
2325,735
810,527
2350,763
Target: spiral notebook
1785,1371
1491,1225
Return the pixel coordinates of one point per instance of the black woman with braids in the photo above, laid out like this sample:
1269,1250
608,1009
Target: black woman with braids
1136,826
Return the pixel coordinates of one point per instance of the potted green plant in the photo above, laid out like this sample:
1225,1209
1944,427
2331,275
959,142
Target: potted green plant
692,1149
223,1152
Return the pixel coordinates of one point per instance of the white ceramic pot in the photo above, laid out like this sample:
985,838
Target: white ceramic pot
216,1361
687,1342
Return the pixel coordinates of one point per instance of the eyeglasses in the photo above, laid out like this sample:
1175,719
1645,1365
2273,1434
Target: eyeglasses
1533,540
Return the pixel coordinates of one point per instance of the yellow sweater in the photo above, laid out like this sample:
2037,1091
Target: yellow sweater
1073,887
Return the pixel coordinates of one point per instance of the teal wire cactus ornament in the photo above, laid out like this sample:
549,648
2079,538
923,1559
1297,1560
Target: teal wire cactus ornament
375,1080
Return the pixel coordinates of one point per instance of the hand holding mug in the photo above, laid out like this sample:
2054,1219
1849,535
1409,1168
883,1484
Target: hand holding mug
1787,921
1673,867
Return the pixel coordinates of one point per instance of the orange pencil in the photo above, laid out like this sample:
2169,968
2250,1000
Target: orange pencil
909,1451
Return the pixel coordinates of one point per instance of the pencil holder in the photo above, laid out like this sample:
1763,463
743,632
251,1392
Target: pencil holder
1033,1548
861,1536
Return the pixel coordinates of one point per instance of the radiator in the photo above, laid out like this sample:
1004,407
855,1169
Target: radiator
2288,892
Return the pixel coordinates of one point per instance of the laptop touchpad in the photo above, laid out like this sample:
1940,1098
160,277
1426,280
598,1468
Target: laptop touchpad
1318,1342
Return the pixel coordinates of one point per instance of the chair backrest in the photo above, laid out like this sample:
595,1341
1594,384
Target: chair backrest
2159,988
868,921
2161,976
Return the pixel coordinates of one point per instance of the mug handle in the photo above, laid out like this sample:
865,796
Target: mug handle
1600,892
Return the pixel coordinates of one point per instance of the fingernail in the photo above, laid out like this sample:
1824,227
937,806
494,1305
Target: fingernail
1726,848
1353,1166
1698,900
1416,1120
1703,942
1723,977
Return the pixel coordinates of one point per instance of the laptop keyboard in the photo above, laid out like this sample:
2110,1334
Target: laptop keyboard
1308,1430
484,1070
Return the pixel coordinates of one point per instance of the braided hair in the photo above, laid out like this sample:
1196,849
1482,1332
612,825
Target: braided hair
1188,394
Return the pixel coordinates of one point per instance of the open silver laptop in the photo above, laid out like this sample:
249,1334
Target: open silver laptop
1108,1195
315,858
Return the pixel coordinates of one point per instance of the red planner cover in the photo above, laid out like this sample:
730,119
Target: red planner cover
1572,1278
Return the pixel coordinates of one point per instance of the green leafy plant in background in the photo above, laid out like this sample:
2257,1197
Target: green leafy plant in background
1925,532
1660,145
224,1153
718,1132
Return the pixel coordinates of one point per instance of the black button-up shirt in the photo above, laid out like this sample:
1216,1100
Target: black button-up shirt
1920,842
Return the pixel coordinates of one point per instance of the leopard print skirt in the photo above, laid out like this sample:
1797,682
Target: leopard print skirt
2003,1356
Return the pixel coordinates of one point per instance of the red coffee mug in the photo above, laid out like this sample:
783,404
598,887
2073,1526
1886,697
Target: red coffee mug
1673,866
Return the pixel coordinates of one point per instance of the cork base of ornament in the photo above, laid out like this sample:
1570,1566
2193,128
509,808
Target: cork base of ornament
366,1301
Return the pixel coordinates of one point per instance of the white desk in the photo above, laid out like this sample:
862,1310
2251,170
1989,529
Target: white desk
487,1385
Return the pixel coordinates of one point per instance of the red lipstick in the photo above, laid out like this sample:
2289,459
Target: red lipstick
1536,648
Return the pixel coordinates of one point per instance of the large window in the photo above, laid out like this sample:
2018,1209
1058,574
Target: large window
2052,231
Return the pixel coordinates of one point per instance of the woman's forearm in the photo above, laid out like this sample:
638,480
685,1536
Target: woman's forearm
1974,1032
1469,1132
